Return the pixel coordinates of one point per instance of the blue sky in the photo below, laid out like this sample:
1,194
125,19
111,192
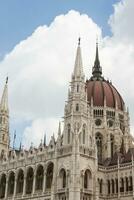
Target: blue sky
34,51
18,19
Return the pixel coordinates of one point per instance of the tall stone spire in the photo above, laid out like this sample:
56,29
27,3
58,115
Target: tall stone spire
78,67
97,70
4,121
4,99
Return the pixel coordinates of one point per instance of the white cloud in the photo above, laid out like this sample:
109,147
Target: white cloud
40,67
36,131
121,21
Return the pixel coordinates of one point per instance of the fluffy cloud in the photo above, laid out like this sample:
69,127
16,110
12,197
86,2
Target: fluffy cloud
37,130
40,67
121,21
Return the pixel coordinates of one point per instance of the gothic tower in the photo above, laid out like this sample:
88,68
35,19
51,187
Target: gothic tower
78,135
4,121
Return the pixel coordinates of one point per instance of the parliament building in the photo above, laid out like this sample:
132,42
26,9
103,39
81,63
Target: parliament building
91,159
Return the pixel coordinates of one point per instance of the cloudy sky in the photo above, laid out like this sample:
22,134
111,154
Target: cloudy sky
38,41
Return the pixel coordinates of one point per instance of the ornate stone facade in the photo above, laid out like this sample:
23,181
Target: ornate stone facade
91,159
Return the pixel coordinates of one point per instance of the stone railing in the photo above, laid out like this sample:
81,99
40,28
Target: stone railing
65,150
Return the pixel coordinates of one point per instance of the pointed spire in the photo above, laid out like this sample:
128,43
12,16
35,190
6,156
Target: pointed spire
59,129
44,139
97,70
78,68
4,99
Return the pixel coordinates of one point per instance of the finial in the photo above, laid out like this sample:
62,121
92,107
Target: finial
59,129
44,139
79,39
6,79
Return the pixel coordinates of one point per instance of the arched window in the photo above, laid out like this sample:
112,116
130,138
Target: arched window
77,88
131,183
77,107
100,185
112,186
99,146
87,179
2,186
49,176
108,185
29,181
68,133
63,178
39,178
20,181
11,183
84,133
121,185
112,145
116,182
126,184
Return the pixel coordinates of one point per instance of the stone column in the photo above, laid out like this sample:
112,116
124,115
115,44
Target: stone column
15,186
118,179
34,180
24,185
108,146
44,182
6,190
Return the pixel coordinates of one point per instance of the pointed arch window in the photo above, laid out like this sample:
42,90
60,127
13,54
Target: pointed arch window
2,186
122,185
84,134
29,181
100,185
77,107
63,178
77,87
126,184
49,176
39,178
116,184
131,183
99,146
112,145
11,183
87,179
20,182
112,186
108,185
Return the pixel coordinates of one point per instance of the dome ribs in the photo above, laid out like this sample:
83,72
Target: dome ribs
119,98
101,89
103,92
98,94
108,95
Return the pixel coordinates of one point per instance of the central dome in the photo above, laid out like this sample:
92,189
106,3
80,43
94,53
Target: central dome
101,91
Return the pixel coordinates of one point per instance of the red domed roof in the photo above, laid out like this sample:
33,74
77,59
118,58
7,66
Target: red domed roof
100,89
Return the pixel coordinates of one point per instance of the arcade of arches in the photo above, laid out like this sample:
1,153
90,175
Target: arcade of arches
39,180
